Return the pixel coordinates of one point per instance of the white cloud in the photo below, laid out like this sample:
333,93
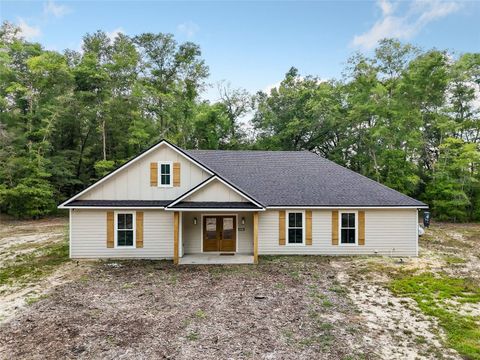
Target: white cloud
29,32
57,10
189,29
114,33
387,7
404,25
270,87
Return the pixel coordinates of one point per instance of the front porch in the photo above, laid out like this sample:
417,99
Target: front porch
196,234
216,259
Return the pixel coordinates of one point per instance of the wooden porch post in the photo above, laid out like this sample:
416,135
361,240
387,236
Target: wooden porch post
255,237
176,223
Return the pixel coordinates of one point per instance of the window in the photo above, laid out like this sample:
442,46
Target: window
165,174
125,230
295,227
348,228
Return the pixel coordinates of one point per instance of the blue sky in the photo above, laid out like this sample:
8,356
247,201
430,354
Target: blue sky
253,44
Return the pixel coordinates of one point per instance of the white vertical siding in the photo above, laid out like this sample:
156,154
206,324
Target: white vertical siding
387,232
133,182
192,234
215,191
89,236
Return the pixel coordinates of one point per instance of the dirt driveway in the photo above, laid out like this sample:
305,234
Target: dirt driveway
284,308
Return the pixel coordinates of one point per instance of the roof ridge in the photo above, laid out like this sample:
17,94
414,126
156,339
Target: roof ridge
248,150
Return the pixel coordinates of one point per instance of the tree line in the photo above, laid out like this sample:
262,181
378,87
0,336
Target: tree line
404,116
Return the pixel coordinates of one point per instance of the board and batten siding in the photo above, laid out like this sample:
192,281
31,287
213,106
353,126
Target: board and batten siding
133,182
192,234
215,191
389,232
89,236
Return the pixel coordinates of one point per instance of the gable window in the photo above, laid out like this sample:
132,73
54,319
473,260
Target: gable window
125,229
348,228
296,233
165,170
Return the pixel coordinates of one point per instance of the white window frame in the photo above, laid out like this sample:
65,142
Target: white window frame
287,243
160,163
134,229
340,227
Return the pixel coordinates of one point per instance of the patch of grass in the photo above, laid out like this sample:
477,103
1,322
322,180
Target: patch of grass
192,336
338,289
315,294
431,292
325,326
323,340
279,286
453,260
288,334
173,279
327,303
420,339
295,275
33,299
355,357
34,265
200,314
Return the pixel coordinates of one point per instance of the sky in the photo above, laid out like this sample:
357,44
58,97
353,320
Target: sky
252,44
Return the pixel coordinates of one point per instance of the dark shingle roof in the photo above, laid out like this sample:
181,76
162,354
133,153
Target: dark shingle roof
120,203
215,205
291,178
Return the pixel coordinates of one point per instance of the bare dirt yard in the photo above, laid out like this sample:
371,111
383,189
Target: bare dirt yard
284,308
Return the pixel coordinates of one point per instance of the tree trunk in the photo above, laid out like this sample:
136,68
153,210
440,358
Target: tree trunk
104,140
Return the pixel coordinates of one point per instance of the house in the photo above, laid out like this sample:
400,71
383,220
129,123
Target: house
216,206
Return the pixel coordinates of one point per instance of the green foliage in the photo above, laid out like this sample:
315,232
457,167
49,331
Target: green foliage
29,199
103,167
395,118
455,180
434,295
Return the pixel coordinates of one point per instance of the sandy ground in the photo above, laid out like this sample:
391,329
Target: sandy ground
22,237
284,308
396,327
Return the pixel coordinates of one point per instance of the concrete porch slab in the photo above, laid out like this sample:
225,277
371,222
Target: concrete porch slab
215,258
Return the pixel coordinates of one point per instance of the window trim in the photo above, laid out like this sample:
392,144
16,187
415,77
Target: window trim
134,229
287,243
340,227
159,170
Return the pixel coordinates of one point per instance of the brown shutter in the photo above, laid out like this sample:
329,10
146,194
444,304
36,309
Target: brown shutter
139,229
335,227
153,174
281,227
308,224
110,229
361,228
176,174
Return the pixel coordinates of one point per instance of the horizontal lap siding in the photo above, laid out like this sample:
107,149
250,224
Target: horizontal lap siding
89,231
387,232
245,238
